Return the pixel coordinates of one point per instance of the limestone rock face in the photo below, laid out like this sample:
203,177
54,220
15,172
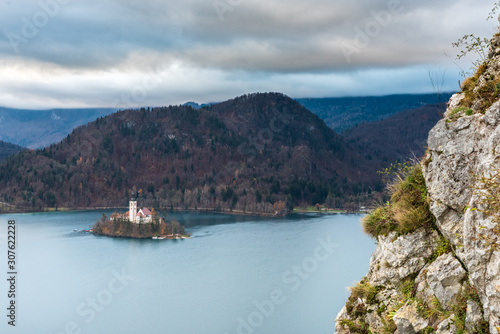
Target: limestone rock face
339,328
447,326
408,321
444,277
473,317
418,282
396,258
460,151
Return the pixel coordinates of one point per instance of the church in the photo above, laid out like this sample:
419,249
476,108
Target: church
135,216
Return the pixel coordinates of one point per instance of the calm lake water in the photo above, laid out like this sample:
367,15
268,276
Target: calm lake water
236,275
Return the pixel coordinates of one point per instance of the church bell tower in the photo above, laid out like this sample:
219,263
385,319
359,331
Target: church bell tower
132,210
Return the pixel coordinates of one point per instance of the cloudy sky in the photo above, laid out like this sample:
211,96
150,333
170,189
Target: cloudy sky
123,53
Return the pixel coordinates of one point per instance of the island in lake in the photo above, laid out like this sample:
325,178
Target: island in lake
138,223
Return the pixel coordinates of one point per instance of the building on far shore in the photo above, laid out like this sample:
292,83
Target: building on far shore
133,215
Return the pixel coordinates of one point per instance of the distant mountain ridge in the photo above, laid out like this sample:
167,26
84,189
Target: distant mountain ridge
195,105
8,149
399,137
346,112
44,127
244,154
39,128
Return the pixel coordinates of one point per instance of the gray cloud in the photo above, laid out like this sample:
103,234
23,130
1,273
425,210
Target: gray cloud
108,44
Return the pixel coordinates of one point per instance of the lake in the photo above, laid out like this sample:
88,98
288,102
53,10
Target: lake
236,275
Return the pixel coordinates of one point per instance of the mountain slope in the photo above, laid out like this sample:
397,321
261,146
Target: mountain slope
8,149
346,112
400,137
39,128
247,154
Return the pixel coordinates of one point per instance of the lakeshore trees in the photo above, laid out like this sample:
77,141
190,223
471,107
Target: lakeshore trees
119,227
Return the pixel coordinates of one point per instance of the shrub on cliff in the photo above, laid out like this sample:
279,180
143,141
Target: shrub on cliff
487,190
408,209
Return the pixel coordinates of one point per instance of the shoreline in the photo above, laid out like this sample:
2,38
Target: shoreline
212,210
160,237
205,210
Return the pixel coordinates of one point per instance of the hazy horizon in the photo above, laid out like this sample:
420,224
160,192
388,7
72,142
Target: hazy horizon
200,103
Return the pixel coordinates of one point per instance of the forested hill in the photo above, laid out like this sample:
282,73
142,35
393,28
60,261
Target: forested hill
7,149
399,137
246,154
342,113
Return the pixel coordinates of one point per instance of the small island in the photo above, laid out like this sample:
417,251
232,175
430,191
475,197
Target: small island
140,224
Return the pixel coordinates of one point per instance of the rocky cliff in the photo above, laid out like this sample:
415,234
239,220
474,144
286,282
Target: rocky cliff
442,276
